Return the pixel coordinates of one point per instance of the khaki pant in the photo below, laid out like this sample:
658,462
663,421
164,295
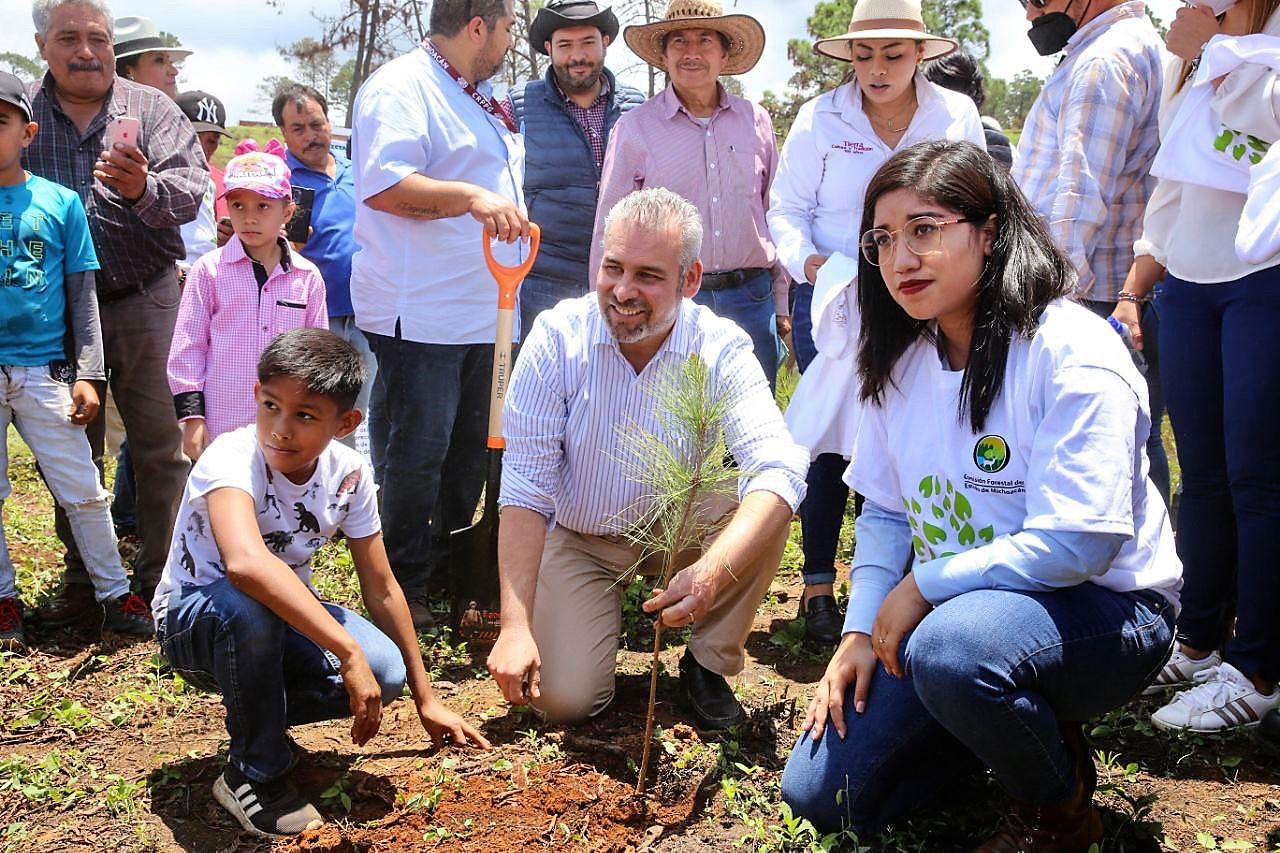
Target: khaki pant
577,616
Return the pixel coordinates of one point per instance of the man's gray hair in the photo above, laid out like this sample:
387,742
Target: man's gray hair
657,209
42,11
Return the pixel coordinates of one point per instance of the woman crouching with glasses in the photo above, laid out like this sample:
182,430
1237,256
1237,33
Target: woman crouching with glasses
1022,577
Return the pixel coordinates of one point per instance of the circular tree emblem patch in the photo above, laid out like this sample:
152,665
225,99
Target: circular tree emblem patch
991,454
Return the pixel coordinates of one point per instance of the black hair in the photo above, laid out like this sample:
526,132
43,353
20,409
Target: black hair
450,17
1024,273
959,72
298,95
322,361
125,64
724,39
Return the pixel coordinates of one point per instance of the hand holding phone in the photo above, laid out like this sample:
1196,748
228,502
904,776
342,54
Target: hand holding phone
298,229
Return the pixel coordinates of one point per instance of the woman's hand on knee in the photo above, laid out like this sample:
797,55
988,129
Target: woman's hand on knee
903,609
852,664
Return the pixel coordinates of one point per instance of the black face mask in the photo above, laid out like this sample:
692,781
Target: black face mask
1050,33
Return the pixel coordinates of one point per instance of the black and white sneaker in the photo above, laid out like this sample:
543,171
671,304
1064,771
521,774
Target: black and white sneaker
265,808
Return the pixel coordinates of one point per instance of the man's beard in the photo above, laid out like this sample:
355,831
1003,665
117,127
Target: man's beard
481,70
564,76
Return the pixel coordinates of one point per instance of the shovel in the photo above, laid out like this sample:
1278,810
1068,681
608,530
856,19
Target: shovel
473,551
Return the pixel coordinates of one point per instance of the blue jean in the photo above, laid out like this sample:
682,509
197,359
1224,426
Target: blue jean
822,511
346,328
427,432
989,675
270,676
537,294
1156,455
750,305
1222,381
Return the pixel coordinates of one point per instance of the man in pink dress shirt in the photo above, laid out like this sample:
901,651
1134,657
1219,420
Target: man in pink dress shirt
718,151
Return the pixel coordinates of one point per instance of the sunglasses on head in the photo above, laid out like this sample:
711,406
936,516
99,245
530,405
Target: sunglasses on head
1039,4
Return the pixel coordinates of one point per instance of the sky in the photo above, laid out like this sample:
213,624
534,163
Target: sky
236,43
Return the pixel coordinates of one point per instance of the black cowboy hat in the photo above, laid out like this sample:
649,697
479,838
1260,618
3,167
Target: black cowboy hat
558,14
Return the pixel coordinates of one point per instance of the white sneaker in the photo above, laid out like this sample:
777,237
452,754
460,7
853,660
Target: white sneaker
1222,699
1180,670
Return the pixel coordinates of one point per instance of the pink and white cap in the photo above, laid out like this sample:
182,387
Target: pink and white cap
259,172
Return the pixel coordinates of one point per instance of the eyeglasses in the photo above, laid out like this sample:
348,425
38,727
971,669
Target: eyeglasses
922,236
1039,4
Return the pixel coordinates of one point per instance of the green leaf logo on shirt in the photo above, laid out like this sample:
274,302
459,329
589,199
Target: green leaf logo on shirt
945,512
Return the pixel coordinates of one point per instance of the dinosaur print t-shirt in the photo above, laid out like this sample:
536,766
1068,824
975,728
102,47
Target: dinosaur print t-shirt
294,520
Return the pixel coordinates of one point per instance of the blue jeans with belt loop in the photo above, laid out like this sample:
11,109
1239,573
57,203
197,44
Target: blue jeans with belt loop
988,676
270,676
750,305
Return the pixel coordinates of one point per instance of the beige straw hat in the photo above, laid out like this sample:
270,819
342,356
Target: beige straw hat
745,35
885,19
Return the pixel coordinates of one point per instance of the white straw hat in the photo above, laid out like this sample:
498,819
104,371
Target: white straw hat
885,19
745,35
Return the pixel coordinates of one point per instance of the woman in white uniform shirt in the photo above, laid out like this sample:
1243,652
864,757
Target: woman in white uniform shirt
1221,366
1002,454
836,143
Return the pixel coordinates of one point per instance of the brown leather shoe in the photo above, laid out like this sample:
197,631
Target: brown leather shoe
1070,826
74,603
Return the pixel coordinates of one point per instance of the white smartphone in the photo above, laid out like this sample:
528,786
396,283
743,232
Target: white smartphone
123,130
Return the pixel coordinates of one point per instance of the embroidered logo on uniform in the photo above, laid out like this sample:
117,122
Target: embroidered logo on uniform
851,147
991,454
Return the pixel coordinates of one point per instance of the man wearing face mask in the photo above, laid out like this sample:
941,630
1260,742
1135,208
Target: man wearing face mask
1086,148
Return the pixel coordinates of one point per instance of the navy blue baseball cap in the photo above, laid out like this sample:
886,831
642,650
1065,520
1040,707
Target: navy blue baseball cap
12,91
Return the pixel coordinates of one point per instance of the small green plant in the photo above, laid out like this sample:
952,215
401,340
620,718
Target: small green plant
336,795
121,796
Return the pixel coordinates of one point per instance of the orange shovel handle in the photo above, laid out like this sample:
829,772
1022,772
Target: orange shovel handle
509,278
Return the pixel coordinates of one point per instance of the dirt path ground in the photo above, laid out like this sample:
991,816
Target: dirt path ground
100,749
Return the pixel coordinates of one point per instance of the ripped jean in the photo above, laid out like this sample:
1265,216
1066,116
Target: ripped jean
38,405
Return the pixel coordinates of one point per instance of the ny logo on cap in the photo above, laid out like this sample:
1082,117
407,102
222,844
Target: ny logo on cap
207,110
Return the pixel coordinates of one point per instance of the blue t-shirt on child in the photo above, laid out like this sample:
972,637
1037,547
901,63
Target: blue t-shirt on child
44,236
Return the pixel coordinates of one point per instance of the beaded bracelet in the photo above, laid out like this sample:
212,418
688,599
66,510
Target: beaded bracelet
1126,296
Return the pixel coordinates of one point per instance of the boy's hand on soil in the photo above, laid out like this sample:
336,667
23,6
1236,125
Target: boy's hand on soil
84,402
365,696
515,665
446,727
688,598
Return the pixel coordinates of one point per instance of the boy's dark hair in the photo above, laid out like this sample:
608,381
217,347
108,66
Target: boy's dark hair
959,72
298,95
320,360
449,17
1025,272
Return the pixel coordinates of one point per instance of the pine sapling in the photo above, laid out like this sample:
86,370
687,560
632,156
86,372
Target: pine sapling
682,466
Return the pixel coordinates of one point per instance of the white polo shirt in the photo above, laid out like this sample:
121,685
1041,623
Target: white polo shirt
411,116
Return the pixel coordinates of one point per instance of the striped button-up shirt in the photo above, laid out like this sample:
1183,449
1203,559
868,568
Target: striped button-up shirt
134,240
573,395
723,166
226,320
1085,154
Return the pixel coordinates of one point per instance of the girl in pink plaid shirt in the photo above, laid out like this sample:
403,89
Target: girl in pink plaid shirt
237,299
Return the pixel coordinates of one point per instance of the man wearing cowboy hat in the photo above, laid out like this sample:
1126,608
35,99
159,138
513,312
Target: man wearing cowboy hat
566,119
715,149
136,195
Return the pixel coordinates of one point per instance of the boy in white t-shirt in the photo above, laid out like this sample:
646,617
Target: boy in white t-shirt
235,609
